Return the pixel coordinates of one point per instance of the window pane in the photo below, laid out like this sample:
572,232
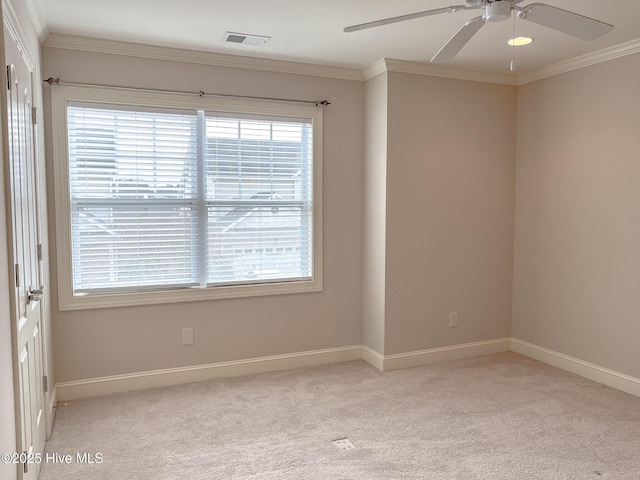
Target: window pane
127,154
132,177
128,246
252,243
258,191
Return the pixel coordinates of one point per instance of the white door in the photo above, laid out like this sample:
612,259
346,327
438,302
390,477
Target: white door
25,256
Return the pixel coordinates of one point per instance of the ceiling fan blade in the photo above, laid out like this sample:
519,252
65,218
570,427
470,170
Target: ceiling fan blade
459,40
564,21
402,18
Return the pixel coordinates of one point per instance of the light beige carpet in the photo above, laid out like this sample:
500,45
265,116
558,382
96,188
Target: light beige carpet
496,417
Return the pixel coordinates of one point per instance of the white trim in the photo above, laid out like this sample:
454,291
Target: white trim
445,354
372,357
374,70
71,42
53,401
93,387
428,69
175,376
582,61
96,45
38,18
593,372
62,94
67,302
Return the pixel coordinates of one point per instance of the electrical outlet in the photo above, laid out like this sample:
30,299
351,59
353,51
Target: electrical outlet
453,319
187,336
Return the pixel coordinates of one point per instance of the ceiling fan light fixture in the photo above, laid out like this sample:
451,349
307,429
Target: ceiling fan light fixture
520,41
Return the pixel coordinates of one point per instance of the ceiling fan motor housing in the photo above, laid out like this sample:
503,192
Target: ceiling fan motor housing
498,11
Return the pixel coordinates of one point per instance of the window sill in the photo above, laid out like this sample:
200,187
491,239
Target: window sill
89,302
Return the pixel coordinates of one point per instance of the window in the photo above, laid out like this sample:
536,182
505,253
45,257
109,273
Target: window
164,198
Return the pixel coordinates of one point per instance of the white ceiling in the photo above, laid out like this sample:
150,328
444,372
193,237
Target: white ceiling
311,31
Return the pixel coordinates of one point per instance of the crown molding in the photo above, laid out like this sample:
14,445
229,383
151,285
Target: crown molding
611,53
604,55
38,18
374,70
71,42
415,68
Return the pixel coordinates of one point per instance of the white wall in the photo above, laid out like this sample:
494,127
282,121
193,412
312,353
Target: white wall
95,343
375,217
577,237
439,203
450,201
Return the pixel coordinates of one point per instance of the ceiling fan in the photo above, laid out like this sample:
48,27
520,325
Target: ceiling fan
498,11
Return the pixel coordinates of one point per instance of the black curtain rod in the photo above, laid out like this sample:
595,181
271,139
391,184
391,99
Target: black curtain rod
318,103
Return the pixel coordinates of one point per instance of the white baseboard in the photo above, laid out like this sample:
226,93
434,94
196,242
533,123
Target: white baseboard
51,413
434,355
373,358
175,376
596,373
445,354
94,387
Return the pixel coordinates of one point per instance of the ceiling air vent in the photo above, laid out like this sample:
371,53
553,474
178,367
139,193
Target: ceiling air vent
244,39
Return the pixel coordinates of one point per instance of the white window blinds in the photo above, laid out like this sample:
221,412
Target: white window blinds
165,198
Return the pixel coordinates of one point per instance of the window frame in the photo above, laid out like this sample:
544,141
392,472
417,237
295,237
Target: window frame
63,94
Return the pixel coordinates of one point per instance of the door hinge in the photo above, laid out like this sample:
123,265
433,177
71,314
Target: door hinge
45,383
25,467
8,77
34,111
17,275
39,252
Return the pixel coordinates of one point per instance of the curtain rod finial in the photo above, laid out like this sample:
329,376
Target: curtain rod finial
324,103
52,81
